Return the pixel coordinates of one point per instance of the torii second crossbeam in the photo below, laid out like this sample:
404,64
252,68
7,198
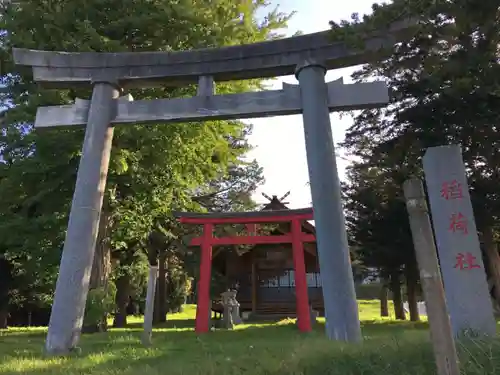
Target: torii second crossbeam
341,97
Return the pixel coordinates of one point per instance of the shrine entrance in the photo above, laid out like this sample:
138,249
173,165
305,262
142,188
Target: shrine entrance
207,241
309,57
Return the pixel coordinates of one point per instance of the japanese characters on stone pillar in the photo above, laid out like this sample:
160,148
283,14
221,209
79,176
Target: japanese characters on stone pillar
466,288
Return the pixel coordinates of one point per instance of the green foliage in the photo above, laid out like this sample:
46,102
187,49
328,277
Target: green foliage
135,266
100,305
444,90
376,217
179,287
153,169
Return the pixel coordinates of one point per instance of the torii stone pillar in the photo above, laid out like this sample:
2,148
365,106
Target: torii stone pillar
72,286
339,296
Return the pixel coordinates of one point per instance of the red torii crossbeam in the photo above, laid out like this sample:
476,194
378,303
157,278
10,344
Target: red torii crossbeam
207,240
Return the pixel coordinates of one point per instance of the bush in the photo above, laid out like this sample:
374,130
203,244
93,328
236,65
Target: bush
179,287
100,305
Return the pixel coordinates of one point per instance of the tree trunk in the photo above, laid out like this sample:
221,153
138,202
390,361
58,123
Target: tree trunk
412,290
384,300
4,314
101,270
101,267
6,281
493,259
122,300
397,297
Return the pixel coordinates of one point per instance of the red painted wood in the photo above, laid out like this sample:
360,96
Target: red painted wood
245,220
251,229
203,306
252,240
207,241
302,298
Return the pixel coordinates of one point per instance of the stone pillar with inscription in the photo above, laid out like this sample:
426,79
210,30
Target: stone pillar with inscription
464,277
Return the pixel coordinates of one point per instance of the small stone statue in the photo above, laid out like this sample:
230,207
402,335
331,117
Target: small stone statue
235,312
231,306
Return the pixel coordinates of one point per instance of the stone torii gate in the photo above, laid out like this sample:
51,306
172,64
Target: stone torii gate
308,56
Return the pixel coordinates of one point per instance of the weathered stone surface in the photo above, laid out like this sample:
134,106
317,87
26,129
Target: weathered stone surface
258,60
69,115
231,315
150,302
235,314
339,296
227,318
219,107
460,257
79,245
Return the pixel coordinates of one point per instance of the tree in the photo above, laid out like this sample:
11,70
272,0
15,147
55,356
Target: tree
444,80
153,169
378,228
6,279
229,192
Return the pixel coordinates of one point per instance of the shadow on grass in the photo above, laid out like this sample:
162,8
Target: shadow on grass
186,327
189,325
281,351
385,325
169,324
260,348
306,357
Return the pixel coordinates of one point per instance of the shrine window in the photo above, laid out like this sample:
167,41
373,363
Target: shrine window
287,280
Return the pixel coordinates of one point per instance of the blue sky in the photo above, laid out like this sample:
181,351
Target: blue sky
279,141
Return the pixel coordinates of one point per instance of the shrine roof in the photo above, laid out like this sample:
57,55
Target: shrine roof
276,205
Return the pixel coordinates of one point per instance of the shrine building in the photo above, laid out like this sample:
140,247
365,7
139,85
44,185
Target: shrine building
263,274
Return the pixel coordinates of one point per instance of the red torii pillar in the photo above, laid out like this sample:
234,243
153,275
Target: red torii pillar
302,298
207,241
203,307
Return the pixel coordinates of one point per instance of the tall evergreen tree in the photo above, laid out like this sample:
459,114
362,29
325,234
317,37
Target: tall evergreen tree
444,81
153,169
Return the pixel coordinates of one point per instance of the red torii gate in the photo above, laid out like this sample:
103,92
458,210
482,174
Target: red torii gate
207,240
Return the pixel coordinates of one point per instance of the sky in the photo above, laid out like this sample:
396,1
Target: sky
279,141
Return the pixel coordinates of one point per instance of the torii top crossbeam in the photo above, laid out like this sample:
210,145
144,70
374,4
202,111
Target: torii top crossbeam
248,217
258,60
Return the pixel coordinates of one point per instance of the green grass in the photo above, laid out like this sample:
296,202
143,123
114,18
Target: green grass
275,349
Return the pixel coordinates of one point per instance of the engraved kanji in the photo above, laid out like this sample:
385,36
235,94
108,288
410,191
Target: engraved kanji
458,223
451,190
466,261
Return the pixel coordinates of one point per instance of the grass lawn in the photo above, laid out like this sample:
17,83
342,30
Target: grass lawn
274,349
